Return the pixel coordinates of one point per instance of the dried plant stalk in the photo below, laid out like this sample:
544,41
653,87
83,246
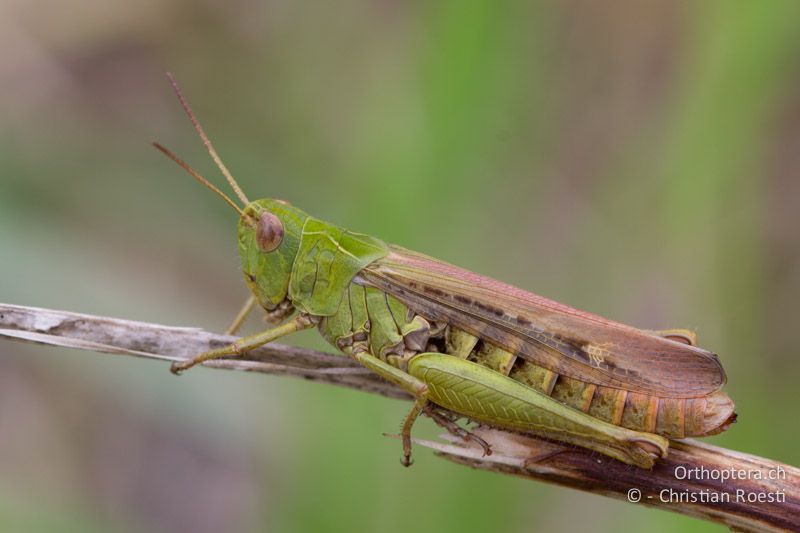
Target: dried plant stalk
756,494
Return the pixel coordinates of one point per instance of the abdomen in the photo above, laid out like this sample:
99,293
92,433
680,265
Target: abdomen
371,320
671,417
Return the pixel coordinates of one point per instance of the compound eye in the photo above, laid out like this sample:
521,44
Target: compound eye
269,232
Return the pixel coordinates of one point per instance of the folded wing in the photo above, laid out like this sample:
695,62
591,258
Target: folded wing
553,335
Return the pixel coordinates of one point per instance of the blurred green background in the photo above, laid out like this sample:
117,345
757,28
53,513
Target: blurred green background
640,160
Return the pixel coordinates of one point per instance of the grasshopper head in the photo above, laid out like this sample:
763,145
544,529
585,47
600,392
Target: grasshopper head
269,237
269,230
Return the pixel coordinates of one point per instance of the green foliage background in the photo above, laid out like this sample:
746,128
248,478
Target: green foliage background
640,160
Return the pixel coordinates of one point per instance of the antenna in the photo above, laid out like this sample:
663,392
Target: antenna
196,175
210,147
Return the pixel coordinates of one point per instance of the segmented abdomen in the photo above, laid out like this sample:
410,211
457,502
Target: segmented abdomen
671,417
370,320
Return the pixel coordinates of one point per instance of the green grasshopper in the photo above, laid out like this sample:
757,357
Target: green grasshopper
466,344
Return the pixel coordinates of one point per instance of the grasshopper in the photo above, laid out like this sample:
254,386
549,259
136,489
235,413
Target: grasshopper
464,344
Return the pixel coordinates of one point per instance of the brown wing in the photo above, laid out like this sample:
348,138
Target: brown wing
553,335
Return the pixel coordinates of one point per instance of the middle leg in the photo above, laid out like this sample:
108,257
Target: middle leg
408,383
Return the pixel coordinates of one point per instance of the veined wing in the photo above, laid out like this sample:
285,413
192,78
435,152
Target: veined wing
550,334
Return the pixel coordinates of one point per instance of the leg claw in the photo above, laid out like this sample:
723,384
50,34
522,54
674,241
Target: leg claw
446,421
179,367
